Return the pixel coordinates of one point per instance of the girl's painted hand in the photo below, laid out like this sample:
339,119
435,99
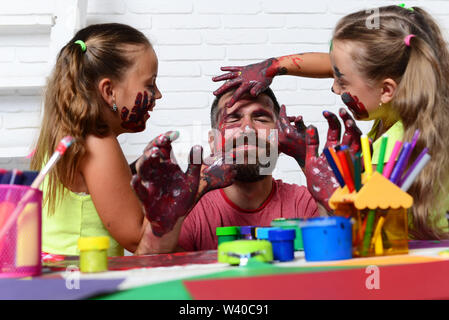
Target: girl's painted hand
166,192
253,78
321,181
292,139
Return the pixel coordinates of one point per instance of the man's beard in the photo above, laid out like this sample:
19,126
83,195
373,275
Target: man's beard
249,173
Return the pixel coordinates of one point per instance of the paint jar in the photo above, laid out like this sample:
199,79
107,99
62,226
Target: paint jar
327,238
93,254
282,241
262,232
248,232
240,251
290,224
225,234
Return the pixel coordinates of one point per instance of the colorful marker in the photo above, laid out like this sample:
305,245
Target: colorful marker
346,170
390,164
333,165
415,171
366,155
383,148
399,167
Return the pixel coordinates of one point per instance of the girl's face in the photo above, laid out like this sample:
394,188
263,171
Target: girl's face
357,94
136,93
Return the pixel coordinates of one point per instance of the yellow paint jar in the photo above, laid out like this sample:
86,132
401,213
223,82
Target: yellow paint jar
93,254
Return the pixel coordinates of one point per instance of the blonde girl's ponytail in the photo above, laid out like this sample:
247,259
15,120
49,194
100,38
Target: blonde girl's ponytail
422,100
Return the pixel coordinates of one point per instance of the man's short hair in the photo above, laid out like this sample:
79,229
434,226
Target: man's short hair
214,107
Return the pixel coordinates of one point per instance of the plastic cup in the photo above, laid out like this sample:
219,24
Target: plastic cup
20,231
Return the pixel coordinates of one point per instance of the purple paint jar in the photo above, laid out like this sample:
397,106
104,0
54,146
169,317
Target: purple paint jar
248,232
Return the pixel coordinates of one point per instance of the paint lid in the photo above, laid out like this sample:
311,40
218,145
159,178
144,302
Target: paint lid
247,229
227,231
281,234
262,233
93,243
282,222
324,222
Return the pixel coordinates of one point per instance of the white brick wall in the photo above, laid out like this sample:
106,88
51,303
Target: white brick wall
192,38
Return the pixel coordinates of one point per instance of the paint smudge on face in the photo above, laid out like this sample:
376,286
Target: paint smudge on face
338,73
135,119
356,106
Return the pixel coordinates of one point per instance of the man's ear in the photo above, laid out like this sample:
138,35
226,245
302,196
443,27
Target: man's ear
212,135
105,87
388,90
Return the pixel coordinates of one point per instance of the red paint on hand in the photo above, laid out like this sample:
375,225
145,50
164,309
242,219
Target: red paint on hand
253,78
166,192
321,181
291,139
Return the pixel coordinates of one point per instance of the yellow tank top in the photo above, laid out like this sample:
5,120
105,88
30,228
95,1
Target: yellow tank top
74,217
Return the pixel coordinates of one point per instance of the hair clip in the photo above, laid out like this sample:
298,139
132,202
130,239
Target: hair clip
407,39
82,45
402,5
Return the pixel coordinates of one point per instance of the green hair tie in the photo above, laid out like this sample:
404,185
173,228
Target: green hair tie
82,44
402,5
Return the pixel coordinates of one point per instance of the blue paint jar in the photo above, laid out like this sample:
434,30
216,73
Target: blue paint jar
282,241
248,232
328,238
262,232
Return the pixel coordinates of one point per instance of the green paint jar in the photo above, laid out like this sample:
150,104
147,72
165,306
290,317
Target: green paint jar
290,224
93,254
226,234
240,251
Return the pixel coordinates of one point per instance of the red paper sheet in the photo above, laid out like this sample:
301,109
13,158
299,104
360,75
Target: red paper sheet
413,281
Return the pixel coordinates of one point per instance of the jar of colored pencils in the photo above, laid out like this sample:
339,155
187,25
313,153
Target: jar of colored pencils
93,254
379,216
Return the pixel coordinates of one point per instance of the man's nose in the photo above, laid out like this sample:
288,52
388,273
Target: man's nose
247,125
336,88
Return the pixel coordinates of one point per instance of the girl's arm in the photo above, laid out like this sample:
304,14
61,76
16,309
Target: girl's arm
255,78
107,177
310,65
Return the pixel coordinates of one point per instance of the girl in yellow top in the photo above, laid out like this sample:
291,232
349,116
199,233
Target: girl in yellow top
103,85
395,73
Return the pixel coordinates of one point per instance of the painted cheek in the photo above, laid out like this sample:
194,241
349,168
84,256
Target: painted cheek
135,120
356,106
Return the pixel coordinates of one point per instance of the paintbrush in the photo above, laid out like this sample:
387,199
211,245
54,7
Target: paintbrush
63,145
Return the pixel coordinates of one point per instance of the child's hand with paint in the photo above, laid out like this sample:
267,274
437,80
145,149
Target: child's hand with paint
321,180
291,139
165,191
253,78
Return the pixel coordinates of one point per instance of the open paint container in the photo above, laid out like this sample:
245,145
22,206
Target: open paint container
327,238
20,231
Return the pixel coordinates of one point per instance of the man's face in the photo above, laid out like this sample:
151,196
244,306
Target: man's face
243,132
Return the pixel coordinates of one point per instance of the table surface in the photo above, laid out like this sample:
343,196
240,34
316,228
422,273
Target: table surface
198,275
